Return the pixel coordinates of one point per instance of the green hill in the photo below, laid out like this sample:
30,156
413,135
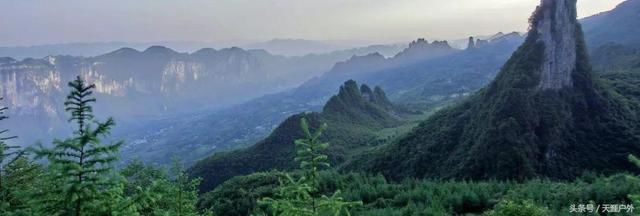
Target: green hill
353,115
613,57
543,115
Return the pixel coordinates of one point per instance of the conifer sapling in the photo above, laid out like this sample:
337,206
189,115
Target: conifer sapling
82,164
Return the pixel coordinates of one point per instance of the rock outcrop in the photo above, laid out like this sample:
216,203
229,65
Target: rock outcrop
155,82
556,26
471,44
421,49
353,104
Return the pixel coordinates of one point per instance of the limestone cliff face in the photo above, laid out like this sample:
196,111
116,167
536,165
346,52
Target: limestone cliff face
556,28
126,76
145,84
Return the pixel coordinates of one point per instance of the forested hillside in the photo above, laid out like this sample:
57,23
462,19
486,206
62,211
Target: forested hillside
543,116
354,116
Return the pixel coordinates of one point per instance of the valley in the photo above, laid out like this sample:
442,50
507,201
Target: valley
542,122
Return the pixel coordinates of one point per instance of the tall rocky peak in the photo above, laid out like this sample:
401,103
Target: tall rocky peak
350,91
359,100
555,25
472,43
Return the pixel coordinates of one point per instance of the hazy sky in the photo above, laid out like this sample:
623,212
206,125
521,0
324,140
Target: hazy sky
31,22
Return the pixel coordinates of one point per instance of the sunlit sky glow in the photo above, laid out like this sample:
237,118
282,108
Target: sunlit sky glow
32,22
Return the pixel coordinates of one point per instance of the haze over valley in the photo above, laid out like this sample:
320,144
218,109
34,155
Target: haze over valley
423,108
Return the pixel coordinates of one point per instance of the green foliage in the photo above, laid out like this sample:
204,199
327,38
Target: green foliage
294,198
354,120
83,180
309,153
616,58
8,155
514,130
19,180
510,208
79,178
161,192
298,197
635,197
182,193
360,105
634,160
239,195
432,197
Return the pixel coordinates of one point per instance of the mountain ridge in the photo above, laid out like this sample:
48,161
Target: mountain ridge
523,125
620,25
167,82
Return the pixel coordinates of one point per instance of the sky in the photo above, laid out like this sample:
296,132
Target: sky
36,22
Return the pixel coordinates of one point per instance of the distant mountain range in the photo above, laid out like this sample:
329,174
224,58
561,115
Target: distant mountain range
137,87
96,49
149,90
429,82
153,83
285,47
620,25
297,47
443,74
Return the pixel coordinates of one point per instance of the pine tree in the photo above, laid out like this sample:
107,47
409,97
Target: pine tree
8,155
299,197
82,177
181,193
309,153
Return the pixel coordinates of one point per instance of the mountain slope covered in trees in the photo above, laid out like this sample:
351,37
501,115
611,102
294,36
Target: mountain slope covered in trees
353,116
543,115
